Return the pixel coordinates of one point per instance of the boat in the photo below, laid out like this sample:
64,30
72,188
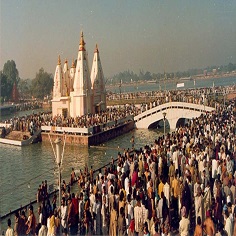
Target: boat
18,138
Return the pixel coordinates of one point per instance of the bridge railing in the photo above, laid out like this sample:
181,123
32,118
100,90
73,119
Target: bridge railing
170,105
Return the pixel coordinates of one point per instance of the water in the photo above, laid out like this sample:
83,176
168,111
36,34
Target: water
22,169
200,83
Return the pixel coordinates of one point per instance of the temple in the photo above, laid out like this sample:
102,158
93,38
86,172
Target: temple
76,92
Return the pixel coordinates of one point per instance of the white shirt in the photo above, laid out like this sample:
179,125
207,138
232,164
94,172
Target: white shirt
9,232
63,216
175,160
40,218
159,208
229,226
166,190
126,184
81,209
214,168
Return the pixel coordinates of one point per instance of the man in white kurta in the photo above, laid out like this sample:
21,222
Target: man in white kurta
138,220
228,224
166,190
104,214
199,204
97,216
64,212
175,159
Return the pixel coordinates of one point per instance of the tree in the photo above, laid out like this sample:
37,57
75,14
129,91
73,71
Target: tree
42,84
4,86
11,77
24,88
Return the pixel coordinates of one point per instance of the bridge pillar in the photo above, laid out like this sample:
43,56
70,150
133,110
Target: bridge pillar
172,123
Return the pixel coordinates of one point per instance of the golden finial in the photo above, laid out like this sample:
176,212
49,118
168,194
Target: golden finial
66,61
82,43
96,49
73,63
59,60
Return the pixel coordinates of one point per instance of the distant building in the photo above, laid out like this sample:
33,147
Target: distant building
76,92
205,72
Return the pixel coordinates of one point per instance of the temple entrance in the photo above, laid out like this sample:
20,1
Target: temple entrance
97,109
64,112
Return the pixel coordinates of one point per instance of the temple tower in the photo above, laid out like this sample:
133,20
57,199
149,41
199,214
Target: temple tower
76,92
66,80
81,96
98,83
60,101
72,76
57,88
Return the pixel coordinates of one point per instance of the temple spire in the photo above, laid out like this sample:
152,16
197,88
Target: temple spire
96,49
82,43
73,63
59,60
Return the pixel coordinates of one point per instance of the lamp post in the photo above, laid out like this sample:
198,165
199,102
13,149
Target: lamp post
164,119
58,160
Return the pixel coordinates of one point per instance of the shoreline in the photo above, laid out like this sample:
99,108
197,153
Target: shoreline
196,77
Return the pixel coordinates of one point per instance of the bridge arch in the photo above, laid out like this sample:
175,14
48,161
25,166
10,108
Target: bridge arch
174,111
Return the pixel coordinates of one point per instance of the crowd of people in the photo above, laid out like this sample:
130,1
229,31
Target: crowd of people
203,96
182,183
196,95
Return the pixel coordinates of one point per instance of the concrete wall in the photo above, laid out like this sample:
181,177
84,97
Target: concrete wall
88,140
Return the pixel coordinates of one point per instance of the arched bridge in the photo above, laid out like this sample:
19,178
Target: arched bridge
174,111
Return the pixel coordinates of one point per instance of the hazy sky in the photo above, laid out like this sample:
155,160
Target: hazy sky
137,35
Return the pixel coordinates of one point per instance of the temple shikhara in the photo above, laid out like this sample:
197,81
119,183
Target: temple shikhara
76,91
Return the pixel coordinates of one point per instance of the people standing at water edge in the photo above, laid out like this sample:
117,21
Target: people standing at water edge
132,141
31,222
72,176
197,143
9,231
131,183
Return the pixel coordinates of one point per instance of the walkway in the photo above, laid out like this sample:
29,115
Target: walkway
173,112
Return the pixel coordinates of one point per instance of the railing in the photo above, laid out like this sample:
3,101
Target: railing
172,105
89,130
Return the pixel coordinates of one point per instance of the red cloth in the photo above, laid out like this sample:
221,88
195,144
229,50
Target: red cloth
131,226
75,204
134,179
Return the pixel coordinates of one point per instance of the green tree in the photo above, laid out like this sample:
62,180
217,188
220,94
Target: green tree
24,88
4,86
11,76
42,84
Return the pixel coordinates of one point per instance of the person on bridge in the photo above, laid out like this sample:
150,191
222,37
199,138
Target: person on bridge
9,231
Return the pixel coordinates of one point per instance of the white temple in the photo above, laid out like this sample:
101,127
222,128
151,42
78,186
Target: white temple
76,92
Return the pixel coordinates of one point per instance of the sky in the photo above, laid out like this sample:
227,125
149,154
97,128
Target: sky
154,35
